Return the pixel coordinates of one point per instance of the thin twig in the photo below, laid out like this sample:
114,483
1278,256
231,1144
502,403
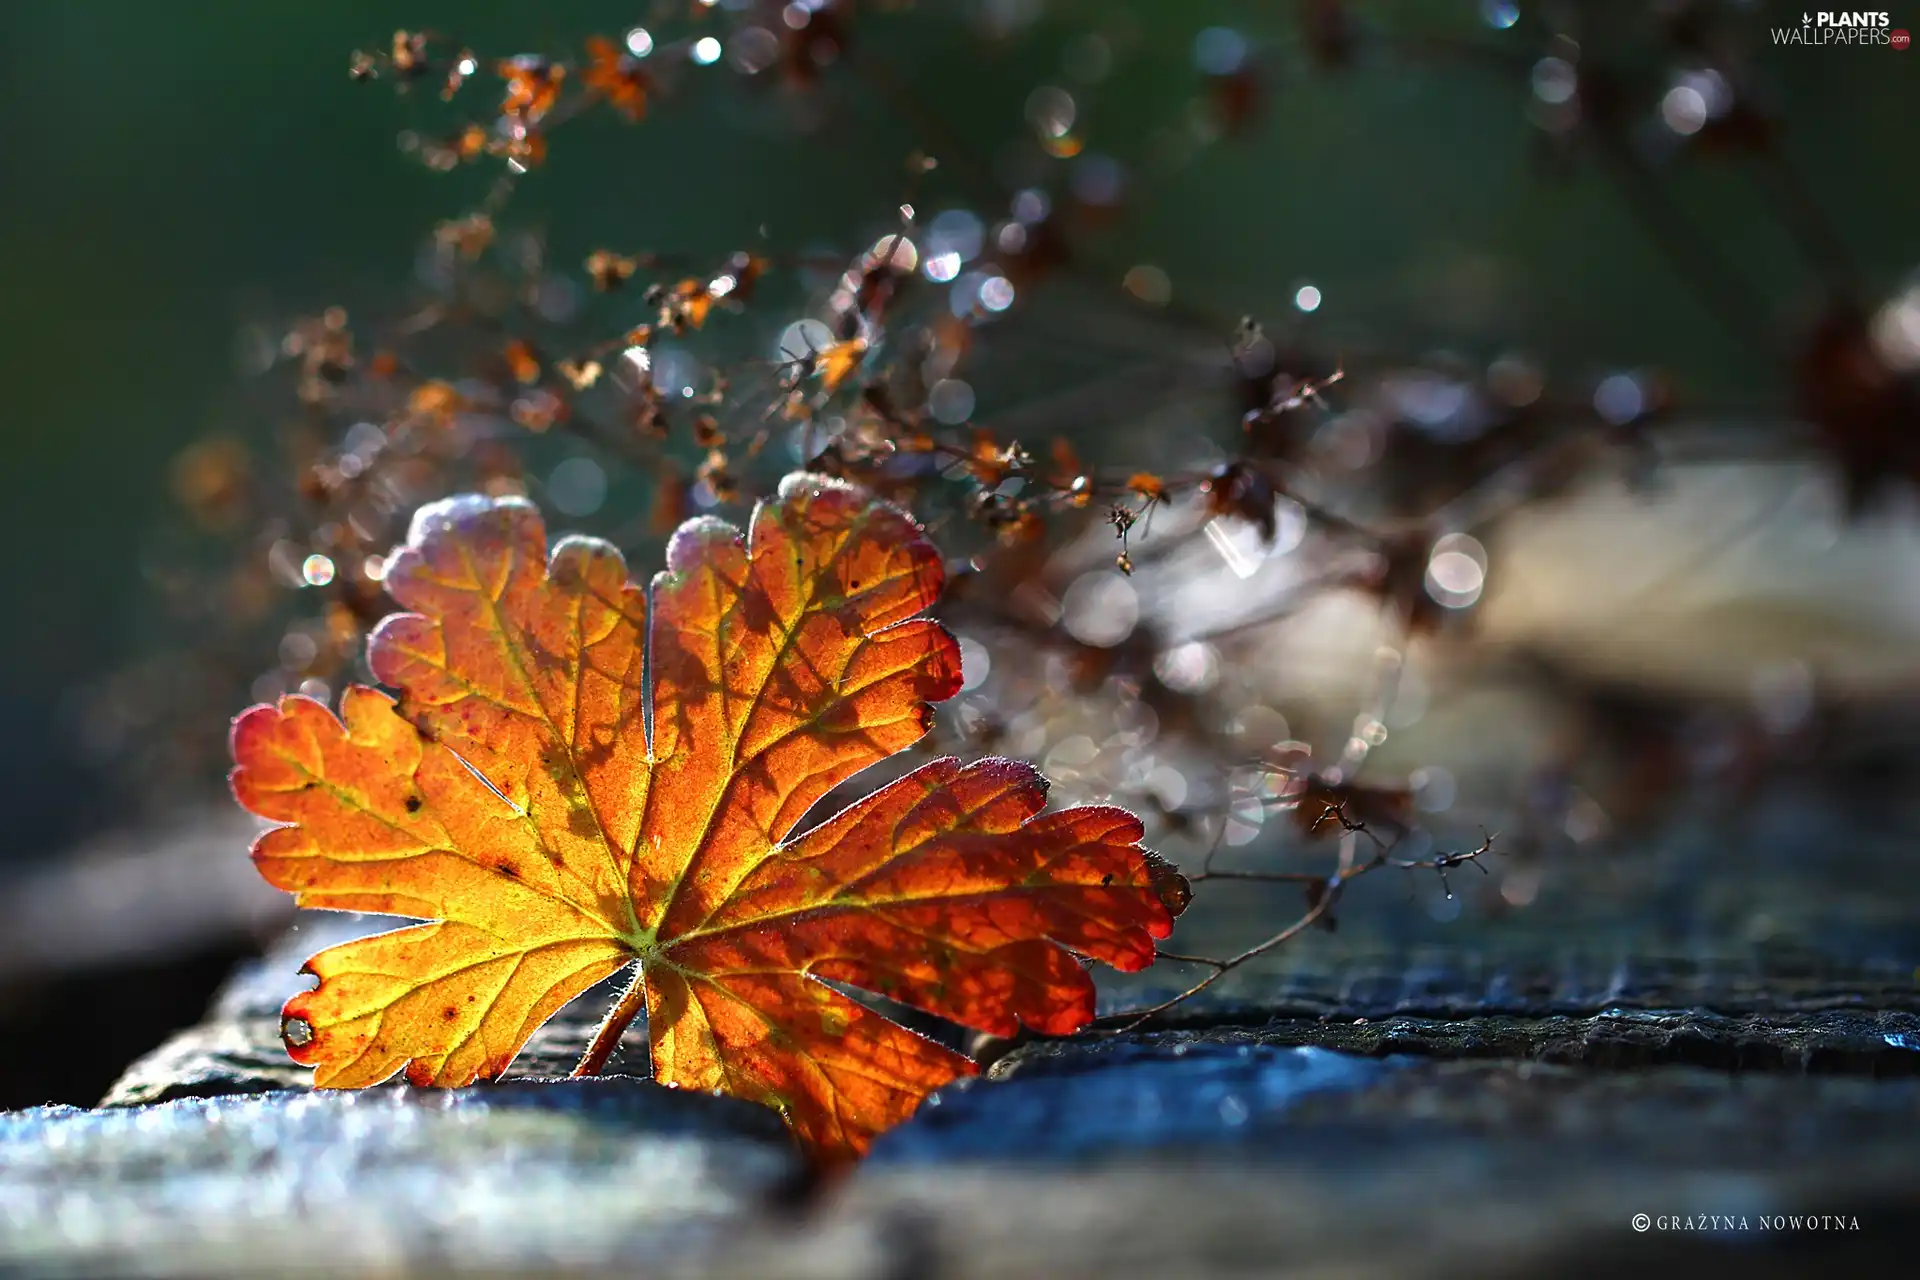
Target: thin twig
1322,903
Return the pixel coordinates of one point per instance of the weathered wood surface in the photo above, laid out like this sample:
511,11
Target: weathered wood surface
1724,1021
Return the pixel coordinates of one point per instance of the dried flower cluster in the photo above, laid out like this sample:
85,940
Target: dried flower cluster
1070,517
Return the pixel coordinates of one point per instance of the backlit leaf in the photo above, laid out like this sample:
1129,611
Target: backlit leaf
554,823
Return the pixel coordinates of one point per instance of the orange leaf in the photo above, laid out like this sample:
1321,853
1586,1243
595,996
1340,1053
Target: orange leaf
533,86
616,76
839,361
555,824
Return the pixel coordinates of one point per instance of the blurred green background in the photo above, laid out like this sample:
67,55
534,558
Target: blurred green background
174,174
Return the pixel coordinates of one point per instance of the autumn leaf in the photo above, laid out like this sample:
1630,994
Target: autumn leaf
616,76
838,361
554,823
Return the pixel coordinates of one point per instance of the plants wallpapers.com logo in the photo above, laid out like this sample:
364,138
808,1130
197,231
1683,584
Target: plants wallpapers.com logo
1859,29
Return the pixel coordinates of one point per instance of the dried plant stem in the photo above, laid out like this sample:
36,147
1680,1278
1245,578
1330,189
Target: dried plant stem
1323,902
613,1026
1223,967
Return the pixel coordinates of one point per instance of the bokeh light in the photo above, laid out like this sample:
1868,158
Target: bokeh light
1219,51
577,487
950,400
1100,609
316,570
1555,81
1456,571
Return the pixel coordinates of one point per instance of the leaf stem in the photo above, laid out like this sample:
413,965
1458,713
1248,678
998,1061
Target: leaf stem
614,1025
